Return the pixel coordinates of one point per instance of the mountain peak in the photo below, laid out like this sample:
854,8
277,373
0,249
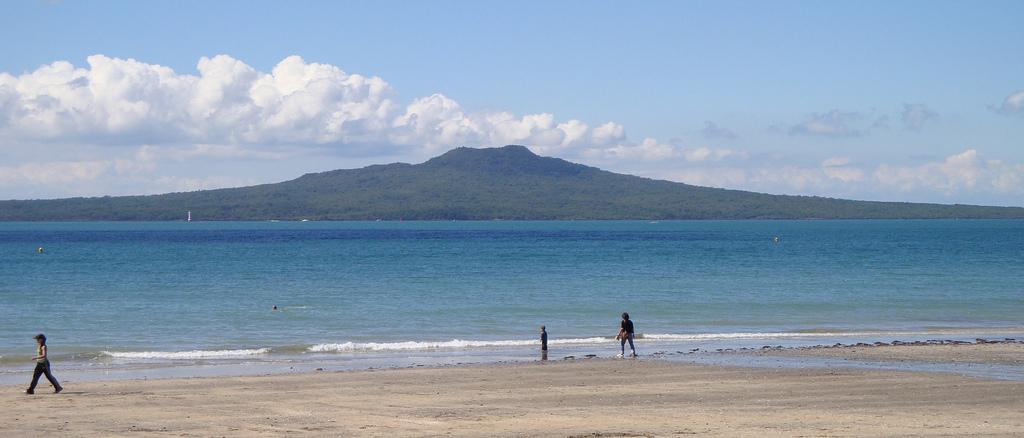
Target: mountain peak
467,153
504,160
508,182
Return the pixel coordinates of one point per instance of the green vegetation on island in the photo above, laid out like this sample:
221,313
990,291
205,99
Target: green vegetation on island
466,184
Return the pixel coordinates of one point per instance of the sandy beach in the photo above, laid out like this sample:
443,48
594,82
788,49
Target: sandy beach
1004,353
596,397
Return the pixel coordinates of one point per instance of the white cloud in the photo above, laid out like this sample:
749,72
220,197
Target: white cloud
230,103
712,131
836,162
575,133
914,116
709,154
954,177
608,133
839,168
185,184
152,153
834,123
55,172
1014,103
229,110
125,101
648,149
651,149
965,171
137,168
844,173
727,177
436,119
793,177
143,128
837,123
93,177
772,179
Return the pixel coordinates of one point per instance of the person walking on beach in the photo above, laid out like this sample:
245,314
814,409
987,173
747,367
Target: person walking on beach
626,334
42,367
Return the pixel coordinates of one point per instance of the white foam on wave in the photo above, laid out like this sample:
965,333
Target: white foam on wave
194,354
412,345
438,345
574,341
764,335
714,336
655,337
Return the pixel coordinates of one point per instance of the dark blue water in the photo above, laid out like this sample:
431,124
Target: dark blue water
205,290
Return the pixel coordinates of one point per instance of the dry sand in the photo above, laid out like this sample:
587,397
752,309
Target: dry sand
606,398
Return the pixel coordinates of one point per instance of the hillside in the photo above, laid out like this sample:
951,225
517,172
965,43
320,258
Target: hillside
499,183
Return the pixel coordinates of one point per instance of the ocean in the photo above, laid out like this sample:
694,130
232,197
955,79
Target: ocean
196,298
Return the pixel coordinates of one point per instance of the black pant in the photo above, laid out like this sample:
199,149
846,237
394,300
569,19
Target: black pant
43,368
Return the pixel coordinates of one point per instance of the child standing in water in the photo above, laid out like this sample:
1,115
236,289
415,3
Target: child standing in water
42,367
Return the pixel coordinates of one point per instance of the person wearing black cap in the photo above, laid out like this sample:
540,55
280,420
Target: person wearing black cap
42,367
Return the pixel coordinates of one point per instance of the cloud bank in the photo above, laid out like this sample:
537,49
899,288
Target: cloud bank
124,101
956,174
122,126
123,118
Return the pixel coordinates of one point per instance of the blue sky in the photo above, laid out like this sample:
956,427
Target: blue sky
914,101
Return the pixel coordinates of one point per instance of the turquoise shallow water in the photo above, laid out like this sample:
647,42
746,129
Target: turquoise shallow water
113,293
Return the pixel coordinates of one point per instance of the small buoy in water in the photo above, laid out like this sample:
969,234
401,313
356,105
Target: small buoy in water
40,250
775,239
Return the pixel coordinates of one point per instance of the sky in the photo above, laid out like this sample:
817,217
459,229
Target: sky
900,101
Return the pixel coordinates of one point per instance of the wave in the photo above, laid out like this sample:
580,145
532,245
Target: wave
467,344
412,345
819,333
439,345
753,335
455,344
194,354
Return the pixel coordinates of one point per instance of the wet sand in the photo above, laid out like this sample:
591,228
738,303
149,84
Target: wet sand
1003,353
596,397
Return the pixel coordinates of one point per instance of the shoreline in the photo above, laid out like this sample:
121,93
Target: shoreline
1001,359
1007,351
987,359
595,397
498,220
